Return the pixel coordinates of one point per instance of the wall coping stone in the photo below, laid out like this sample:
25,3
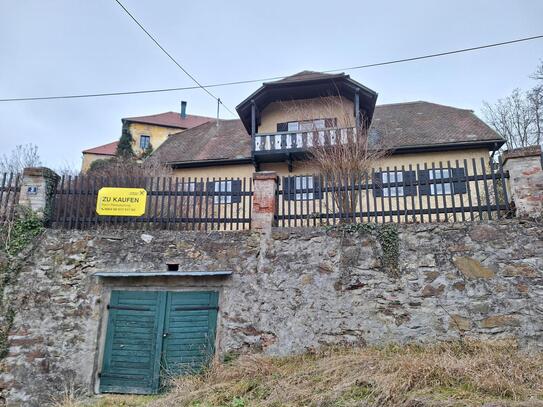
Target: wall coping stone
530,151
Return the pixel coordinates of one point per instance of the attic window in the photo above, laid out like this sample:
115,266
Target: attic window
145,141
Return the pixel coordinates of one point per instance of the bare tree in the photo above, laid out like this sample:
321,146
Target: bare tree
23,155
343,151
67,168
129,168
518,118
538,74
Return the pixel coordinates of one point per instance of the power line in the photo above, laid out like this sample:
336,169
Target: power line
171,57
248,81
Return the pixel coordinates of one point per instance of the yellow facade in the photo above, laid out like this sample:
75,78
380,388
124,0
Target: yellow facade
339,108
89,158
157,134
366,204
222,171
368,207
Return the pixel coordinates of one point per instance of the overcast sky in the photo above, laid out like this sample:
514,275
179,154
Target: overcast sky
52,47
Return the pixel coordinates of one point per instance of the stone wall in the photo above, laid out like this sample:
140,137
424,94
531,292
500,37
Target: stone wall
291,290
525,167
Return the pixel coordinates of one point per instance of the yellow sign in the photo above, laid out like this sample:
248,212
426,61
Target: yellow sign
121,201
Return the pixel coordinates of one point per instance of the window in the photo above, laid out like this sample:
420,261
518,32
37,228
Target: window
382,181
225,192
192,186
145,142
301,188
306,125
442,181
440,188
303,183
392,177
223,187
293,126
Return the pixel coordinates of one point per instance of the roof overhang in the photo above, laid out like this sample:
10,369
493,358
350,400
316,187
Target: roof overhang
152,123
210,163
492,145
332,85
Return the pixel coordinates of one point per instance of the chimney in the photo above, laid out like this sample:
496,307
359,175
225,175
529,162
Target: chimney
183,109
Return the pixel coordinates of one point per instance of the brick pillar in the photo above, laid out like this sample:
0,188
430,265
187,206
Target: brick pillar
38,190
525,180
264,201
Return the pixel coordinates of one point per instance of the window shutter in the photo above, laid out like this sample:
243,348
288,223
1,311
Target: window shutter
329,123
459,182
282,126
210,188
236,191
377,184
317,187
409,178
424,179
289,188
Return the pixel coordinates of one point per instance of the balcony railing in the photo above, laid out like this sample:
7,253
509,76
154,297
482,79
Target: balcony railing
295,141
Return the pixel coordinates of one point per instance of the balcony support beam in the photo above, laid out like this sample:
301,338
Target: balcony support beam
289,162
357,107
253,119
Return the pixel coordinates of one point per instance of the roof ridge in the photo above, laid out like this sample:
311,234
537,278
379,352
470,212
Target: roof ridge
90,150
169,111
423,102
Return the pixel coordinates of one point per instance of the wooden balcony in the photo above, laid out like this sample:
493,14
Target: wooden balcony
269,146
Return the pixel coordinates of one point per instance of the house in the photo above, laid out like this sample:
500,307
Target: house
103,152
148,132
282,120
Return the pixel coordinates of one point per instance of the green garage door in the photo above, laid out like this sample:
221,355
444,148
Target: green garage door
154,333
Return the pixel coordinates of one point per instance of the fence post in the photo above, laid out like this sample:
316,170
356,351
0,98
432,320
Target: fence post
264,201
525,180
38,191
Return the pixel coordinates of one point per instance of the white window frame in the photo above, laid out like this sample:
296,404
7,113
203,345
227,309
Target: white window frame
293,126
143,137
390,177
189,186
222,187
307,125
440,188
303,182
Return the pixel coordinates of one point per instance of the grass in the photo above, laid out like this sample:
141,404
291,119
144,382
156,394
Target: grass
447,374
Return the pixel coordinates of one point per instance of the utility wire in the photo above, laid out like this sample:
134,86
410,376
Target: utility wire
248,81
171,57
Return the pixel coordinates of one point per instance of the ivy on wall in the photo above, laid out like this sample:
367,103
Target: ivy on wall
16,237
51,181
386,234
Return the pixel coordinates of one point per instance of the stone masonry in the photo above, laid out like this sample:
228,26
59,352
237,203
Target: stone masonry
291,290
526,180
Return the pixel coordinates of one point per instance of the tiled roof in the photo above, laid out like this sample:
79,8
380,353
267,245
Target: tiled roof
227,141
171,119
425,124
306,76
106,149
412,124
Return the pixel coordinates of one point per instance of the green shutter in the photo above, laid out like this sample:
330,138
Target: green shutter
133,341
189,331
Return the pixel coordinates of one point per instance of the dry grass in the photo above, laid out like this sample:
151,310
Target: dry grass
465,374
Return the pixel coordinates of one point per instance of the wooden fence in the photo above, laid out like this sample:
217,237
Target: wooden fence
10,187
172,203
437,192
